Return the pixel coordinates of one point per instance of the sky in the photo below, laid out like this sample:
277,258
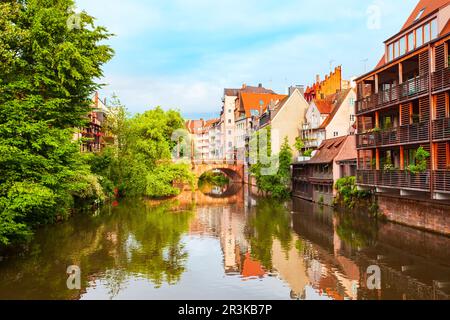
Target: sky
181,54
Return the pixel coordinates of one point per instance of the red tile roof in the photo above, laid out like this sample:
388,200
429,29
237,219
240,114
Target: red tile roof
429,5
324,106
446,29
252,101
328,150
337,100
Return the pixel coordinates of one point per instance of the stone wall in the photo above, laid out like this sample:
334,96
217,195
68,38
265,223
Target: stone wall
428,215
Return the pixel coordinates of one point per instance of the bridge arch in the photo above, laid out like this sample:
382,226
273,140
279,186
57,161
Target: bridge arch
234,170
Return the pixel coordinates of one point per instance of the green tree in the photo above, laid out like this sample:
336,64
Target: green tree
275,185
47,73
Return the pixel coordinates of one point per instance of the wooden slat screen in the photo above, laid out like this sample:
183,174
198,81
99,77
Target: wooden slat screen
405,116
441,105
424,66
425,109
441,156
440,57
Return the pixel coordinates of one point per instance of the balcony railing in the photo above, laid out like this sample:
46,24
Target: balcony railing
441,129
442,181
322,175
416,132
400,179
402,92
441,79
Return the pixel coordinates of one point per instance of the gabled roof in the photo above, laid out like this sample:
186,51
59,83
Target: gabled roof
339,99
446,29
324,106
328,150
429,6
252,101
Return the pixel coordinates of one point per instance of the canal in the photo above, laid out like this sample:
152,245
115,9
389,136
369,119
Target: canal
224,243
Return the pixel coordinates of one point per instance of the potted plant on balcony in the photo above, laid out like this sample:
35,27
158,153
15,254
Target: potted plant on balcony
420,158
419,167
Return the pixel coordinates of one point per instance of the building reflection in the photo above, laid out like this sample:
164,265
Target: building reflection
319,253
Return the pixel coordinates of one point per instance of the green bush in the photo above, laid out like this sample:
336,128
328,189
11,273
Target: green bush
348,193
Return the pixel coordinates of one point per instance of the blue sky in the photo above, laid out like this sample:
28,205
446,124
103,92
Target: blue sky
182,53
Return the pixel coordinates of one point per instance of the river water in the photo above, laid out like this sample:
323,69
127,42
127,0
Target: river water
227,244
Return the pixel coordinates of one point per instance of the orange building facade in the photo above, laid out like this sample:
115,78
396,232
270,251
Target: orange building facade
403,104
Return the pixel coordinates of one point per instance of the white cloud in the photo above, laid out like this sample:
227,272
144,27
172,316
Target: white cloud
315,33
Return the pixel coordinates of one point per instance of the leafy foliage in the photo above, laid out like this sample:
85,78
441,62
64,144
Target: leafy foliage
139,163
308,153
420,161
47,74
348,193
299,144
274,184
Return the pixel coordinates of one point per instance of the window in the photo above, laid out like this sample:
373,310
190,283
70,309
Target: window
229,121
411,45
434,31
230,144
396,50
390,52
352,117
402,46
419,37
336,134
419,15
352,102
229,132
229,110
426,33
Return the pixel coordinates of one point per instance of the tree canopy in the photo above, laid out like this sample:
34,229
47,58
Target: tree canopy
47,74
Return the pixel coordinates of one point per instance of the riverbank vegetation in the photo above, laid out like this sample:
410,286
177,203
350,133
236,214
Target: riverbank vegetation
47,73
48,70
140,162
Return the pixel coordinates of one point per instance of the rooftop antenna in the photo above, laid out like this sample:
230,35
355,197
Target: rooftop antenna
365,64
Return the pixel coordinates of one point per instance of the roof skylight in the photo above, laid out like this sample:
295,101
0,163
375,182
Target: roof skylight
419,15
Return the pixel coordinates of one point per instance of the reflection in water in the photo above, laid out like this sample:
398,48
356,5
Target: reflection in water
202,246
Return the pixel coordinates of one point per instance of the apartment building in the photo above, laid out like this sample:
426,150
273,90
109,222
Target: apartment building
234,115
403,104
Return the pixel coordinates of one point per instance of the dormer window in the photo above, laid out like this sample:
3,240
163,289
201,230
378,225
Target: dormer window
419,15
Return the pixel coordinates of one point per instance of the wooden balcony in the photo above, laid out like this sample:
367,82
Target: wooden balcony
405,91
397,179
413,133
441,79
441,129
321,176
442,181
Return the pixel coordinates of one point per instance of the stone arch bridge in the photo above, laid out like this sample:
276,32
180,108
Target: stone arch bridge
231,168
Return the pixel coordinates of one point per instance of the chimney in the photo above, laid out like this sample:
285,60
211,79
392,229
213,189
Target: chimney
260,85
317,78
244,86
